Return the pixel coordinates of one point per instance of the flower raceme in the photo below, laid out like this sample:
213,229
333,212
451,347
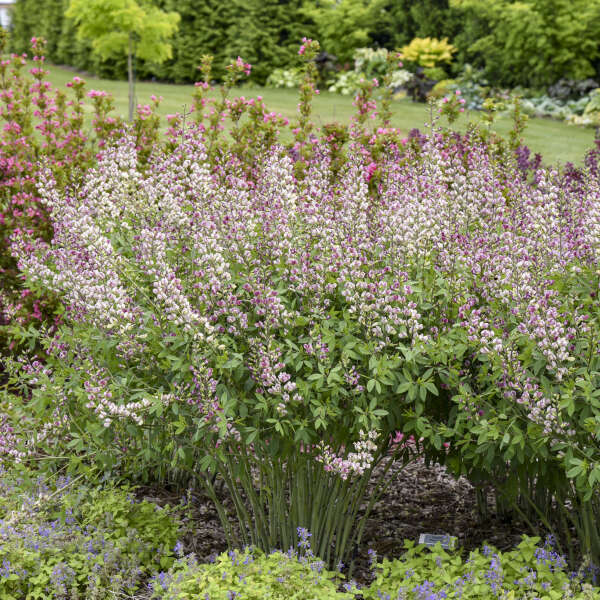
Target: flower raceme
44,126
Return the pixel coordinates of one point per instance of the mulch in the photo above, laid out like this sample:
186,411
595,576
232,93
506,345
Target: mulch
422,499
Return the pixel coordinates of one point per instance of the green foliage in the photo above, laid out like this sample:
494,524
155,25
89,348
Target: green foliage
124,28
47,20
253,575
532,42
71,541
403,20
428,52
344,25
368,64
266,33
284,78
203,30
24,24
115,26
528,571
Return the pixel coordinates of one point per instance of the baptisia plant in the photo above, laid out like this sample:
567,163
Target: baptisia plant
43,125
275,330
219,324
273,324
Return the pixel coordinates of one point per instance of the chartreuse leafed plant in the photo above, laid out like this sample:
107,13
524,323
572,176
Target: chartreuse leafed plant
530,571
124,27
61,539
254,575
428,52
280,323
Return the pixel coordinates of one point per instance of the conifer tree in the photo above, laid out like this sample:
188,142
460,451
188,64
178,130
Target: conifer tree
267,34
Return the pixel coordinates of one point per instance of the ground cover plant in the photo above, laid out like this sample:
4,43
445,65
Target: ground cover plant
531,570
62,539
252,574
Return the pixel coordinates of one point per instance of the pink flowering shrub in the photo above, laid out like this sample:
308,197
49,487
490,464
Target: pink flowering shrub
46,129
43,127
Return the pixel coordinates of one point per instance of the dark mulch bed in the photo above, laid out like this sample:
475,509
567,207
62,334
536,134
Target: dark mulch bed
423,499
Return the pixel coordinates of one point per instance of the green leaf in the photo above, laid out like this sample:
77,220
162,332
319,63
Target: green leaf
431,387
403,387
180,426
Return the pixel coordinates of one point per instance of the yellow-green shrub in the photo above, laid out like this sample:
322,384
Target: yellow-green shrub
428,52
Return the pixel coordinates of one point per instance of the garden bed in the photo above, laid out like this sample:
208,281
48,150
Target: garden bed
285,325
423,499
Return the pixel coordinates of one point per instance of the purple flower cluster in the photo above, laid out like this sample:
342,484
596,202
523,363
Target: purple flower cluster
73,554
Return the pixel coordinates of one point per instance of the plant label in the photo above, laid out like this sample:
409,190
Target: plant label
448,542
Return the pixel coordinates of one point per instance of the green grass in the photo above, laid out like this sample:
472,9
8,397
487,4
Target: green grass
556,141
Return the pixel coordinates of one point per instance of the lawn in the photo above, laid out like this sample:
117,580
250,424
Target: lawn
556,141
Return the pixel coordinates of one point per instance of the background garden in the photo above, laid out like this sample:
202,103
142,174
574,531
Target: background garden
544,51
257,337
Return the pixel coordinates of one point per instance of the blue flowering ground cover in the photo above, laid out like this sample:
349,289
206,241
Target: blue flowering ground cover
61,539
532,570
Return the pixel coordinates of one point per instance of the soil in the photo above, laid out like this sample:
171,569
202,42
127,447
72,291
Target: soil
423,499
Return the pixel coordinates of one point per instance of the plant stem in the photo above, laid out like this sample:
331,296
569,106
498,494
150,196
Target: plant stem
130,76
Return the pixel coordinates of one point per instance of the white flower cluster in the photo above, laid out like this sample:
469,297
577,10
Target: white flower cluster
355,462
100,400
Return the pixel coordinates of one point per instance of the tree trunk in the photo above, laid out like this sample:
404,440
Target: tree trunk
130,76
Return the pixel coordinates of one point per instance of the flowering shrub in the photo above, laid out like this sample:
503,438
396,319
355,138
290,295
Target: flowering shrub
276,318
43,126
222,362
275,321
